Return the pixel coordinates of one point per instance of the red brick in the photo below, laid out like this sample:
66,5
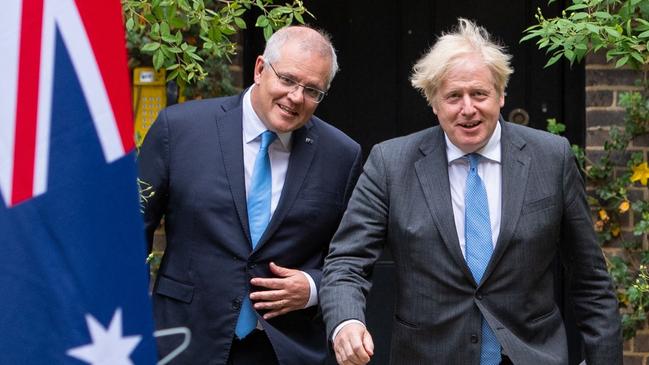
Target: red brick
603,118
617,76
599,98
634,359
597,58
641,342
596,137
641,141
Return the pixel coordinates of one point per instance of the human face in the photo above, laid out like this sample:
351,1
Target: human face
467,104
285,109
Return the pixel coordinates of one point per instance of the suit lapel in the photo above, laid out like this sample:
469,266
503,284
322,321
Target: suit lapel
304,144
231,141
432,172
515,172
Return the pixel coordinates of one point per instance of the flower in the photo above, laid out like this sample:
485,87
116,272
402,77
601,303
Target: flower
624,206
640,173
603,215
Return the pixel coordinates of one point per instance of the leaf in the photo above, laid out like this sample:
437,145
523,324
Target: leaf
299,18
612,32
164,29
577,7
621,62
570,55
637,57
130,23
158,59
150,47
592,27
169,39
579,16
527,37
602,15
262,21
268,31
553,60
644,34
240,23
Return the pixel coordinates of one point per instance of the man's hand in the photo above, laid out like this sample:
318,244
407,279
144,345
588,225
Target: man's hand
353,345
288,292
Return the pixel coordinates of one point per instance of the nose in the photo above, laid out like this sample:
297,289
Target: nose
297,94
467,105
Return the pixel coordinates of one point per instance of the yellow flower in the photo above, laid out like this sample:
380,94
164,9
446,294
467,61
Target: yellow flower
624,206
599,226
603,215
640,173
615,231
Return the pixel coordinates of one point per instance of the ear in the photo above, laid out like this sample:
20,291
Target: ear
259,67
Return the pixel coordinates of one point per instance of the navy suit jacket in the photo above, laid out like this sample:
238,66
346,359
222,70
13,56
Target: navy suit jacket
193,159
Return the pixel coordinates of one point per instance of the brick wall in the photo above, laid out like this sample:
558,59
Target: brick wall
604,83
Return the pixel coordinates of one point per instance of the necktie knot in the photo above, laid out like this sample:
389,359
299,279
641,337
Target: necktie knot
474,160
266,139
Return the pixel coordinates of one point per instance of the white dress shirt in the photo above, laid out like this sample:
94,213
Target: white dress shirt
279,152
489,170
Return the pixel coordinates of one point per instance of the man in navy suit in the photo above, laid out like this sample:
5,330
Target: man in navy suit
199,158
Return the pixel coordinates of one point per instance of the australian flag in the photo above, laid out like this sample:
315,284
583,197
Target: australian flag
73,282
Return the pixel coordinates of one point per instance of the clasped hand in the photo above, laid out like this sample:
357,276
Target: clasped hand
287,292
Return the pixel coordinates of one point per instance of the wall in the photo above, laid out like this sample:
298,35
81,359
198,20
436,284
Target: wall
604,84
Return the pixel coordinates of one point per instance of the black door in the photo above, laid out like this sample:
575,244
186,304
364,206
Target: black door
371,98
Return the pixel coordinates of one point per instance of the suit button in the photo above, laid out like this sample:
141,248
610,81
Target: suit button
474,338
236,304
478,295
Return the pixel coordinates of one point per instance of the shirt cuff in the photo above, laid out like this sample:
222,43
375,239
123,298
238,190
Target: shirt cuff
313,291
343,324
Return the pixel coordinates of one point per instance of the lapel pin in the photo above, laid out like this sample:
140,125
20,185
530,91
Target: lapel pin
308,140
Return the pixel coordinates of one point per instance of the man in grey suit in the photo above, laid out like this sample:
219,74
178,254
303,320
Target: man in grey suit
474,212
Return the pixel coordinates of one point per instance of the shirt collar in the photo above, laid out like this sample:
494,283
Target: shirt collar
490,151
252,125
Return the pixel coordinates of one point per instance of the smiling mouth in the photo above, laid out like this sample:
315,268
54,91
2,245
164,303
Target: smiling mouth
469,125
287,110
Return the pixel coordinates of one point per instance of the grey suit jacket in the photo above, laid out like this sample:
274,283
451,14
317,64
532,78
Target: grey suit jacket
402,201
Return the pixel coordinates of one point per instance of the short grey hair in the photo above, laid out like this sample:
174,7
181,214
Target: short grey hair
309,40
451,49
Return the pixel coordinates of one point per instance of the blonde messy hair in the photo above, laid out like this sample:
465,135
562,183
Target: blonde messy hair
451,49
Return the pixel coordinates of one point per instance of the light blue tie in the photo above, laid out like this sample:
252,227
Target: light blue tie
259,197
477,234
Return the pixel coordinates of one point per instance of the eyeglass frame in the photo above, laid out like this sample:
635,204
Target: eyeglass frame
290,83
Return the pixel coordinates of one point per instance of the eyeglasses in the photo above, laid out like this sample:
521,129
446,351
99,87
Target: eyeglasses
311,93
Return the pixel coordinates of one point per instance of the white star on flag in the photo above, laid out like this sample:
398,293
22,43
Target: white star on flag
108,347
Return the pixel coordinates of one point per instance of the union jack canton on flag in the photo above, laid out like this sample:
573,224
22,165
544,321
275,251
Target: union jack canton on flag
73,282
